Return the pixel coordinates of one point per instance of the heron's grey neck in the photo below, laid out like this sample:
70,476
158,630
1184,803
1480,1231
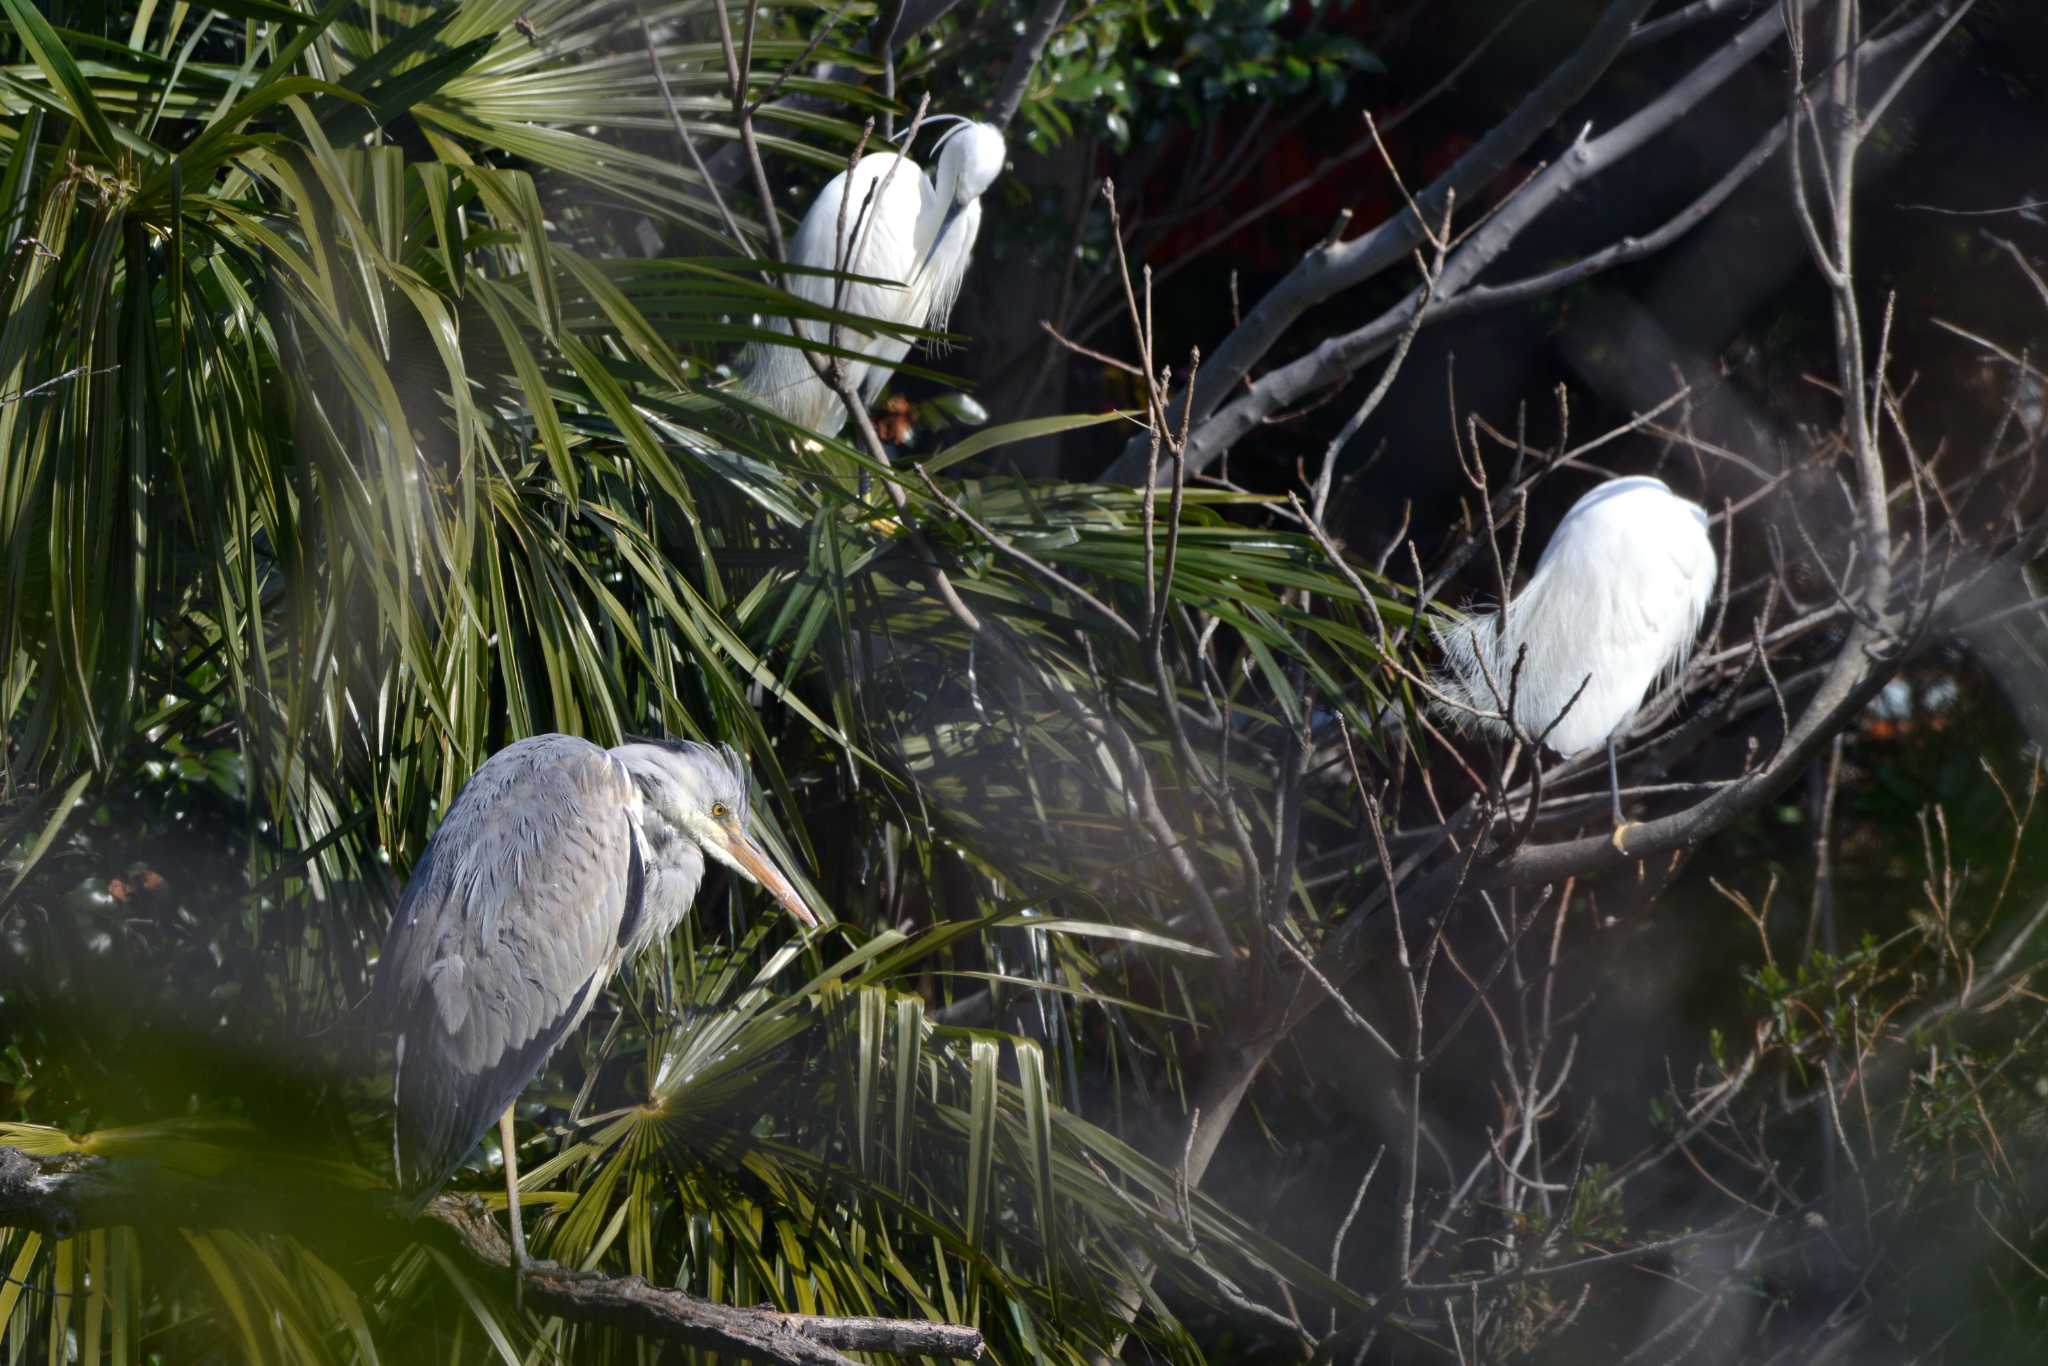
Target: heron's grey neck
674,866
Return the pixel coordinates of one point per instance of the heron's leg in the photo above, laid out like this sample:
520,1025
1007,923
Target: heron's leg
509,1149
1621,822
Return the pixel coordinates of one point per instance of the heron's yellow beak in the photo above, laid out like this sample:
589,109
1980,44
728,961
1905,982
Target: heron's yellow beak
748,857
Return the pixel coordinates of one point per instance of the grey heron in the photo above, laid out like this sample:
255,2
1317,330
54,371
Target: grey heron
897,226
557,862
1613,606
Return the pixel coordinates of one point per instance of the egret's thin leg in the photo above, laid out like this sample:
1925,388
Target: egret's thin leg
1614,782
509,1149
1621,822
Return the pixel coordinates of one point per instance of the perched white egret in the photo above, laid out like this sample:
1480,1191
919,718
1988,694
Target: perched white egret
898,226
1611,609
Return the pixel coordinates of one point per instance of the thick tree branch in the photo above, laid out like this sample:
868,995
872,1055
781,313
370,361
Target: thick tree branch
652,1311
65,1195
1336,266
1678,21
1010,95
1335,359
1865,663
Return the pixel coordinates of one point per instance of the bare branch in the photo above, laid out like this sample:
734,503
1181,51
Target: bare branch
1220,424
1024,57
62,1196
1337,266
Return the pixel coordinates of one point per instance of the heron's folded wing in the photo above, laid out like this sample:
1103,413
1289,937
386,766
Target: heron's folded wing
508,930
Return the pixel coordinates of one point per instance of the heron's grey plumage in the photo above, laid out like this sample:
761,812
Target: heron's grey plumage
675,863
507,931
557,862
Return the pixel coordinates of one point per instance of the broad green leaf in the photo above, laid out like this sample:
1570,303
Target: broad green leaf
59,811
1009,433
54,59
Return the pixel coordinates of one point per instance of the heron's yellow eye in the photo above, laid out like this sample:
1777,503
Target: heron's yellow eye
718,811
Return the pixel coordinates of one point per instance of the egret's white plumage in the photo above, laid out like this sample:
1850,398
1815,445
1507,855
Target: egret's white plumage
898,225
1613,605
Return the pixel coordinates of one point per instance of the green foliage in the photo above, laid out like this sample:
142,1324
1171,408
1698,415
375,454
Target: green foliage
1142,69
340,445
805,1138
1149,66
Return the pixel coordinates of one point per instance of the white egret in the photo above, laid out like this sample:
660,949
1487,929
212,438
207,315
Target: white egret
1612,608
897,225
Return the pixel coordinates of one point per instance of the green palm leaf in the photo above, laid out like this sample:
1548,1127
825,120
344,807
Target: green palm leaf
339,444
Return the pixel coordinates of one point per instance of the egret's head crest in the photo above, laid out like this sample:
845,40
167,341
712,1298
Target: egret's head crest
928,121
970,157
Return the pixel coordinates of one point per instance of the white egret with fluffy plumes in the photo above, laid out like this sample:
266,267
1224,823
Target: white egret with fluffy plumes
897,226
1611,610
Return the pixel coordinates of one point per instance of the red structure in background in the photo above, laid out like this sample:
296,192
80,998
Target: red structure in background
1302,178
1294,193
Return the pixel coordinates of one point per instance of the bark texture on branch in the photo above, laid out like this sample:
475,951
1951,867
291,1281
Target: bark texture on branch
1337,358
638,1307
1337,266
1024,61
64,1195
